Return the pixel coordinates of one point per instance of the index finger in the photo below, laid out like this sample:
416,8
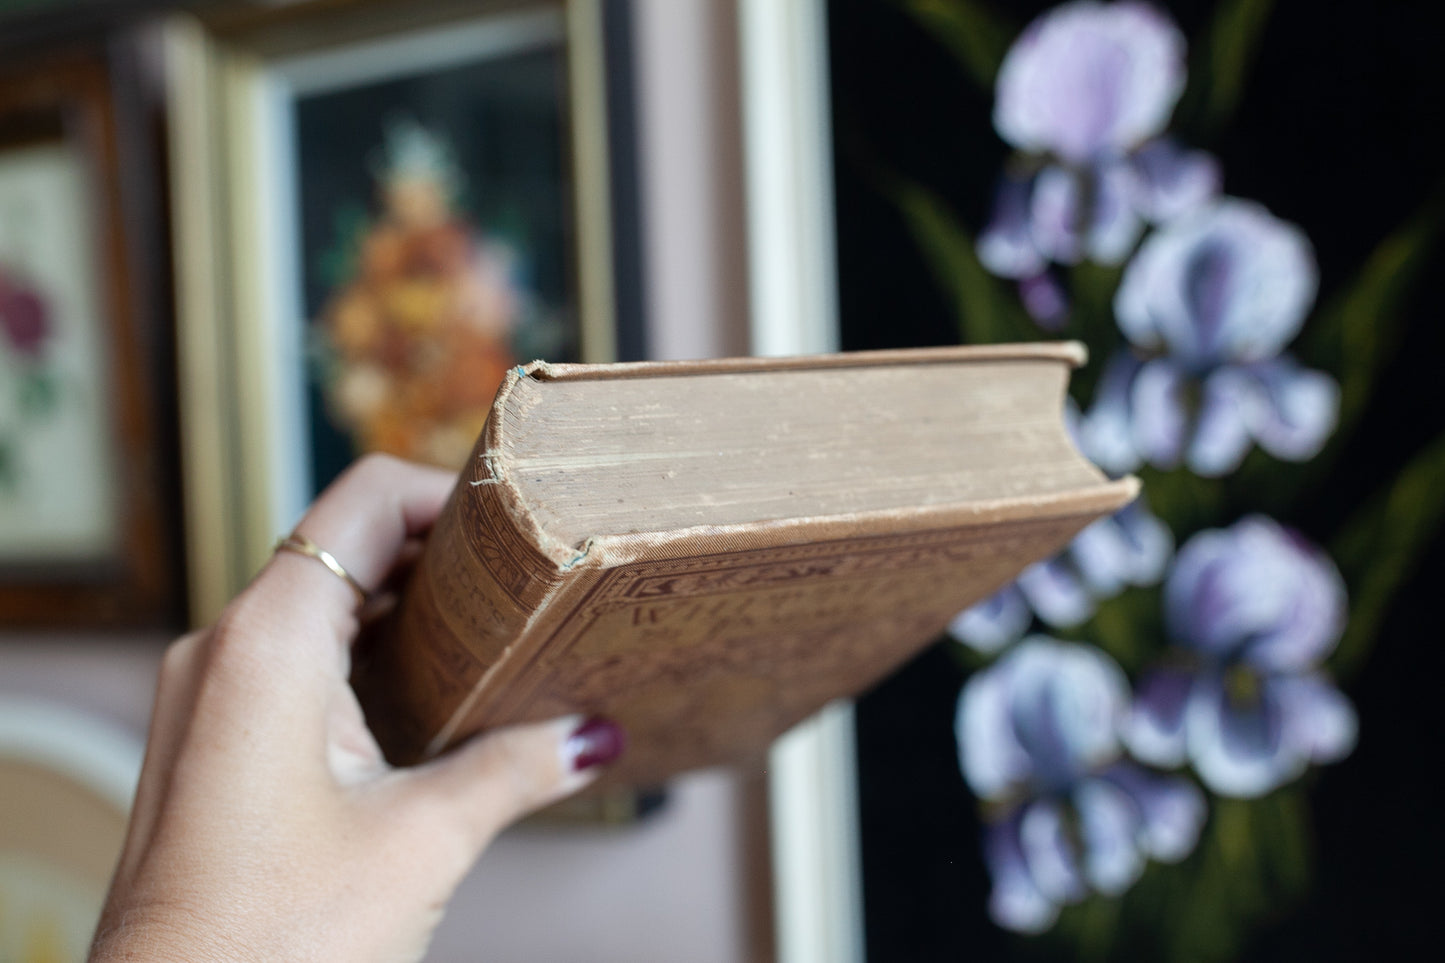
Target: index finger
296,605
363,520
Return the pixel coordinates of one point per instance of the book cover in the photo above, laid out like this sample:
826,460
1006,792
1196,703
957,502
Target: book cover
708,552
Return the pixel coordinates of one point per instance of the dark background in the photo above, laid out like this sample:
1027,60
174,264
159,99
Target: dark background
1336,132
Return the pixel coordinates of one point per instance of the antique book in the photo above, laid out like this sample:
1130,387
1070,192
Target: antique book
707,552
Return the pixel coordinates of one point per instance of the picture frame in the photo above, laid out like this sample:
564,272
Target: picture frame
86,536
387,84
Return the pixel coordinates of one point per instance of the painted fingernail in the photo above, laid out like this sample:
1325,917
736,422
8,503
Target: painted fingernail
595,742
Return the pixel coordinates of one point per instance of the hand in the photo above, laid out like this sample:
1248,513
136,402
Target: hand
267,825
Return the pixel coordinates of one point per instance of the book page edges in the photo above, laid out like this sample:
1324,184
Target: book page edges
609,551
1072,353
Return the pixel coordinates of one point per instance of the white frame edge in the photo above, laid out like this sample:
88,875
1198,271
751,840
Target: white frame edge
813,807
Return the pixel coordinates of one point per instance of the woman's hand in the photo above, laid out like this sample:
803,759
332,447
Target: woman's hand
267,825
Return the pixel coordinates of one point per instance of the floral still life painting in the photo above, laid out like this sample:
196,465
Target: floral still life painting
1145,723
436,250
417,339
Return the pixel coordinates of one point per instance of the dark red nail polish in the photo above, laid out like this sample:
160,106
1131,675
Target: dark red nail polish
595,743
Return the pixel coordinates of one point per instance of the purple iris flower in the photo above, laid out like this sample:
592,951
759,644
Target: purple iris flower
1088,80
1085,93
1211,300
1038,743
1253,611
1130,547
1065,215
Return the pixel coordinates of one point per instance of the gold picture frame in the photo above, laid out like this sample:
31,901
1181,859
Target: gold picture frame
233,75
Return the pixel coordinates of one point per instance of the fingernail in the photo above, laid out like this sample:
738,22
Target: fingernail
595,743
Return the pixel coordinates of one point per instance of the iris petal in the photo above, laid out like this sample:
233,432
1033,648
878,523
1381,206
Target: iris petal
1239,748
1320,720
993,623
1154,730
1295,409
1109,825
1015,903
989,754
1159,419
1227,284
1005,247
1130,547
1105,434
1171,809
1169,181
1050,854
1056,593
1114,225
1088,78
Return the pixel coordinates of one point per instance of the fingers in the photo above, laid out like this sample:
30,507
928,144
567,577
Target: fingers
366,516
364,520
283,644
495,779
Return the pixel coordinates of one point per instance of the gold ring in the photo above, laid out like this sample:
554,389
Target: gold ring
301,545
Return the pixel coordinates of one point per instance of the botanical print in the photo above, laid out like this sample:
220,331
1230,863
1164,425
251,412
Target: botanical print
56,500
1153,703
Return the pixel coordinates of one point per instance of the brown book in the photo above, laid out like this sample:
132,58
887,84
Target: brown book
707,552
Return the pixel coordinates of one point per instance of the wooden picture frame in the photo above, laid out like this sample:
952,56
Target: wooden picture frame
89,540
239,76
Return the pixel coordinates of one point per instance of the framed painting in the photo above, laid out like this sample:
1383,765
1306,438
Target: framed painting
411,202
1100,763
84,479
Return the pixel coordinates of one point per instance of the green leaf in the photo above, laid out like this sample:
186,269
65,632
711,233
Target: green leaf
1377,549
1185,501
8,476
975,35
1219,68
1359,331
1290,843
338,263
38,393
1129,627
1098,929
986,309
965,656
1091,289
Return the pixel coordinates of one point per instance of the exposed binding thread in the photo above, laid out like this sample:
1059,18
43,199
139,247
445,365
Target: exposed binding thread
586,547
489,459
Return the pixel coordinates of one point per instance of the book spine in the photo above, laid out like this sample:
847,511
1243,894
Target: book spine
465,612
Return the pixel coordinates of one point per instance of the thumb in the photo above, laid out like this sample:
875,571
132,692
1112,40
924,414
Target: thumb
500,776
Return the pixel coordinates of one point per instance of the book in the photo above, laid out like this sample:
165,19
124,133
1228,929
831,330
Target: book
707,552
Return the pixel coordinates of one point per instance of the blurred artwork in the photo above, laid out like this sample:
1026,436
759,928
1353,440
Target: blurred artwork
56,502
415,343
65,783
435,248
1137,734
